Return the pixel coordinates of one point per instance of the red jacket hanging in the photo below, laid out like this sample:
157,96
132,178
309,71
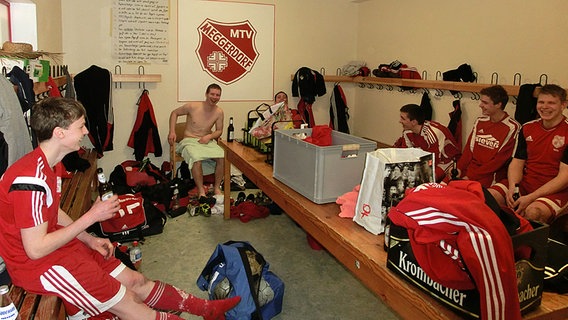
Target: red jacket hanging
145,137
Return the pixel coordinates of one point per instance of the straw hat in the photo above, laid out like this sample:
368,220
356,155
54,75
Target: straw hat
20,50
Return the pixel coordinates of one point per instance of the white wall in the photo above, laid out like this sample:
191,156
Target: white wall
502,36
307,33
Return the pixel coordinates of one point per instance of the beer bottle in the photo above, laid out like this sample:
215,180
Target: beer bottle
105,190
230,131
516,194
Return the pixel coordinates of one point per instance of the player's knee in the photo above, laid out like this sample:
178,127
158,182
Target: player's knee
537,212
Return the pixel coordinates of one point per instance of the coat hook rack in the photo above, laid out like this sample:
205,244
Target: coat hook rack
117,70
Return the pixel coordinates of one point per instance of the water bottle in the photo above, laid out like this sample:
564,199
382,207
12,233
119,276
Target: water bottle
136,255
8,310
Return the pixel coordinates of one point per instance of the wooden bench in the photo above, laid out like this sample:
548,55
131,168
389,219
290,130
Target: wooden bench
76,198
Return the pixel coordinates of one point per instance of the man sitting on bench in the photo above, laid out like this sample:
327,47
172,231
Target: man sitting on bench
199,143
46,252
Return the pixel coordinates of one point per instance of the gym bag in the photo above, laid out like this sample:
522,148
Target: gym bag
236,269
134,220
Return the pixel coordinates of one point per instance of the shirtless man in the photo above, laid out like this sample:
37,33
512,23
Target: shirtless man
199,144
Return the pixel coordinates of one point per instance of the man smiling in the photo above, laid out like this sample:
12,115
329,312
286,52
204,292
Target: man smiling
540,162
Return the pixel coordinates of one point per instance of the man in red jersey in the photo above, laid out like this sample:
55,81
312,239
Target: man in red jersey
429,136
491,142
46,252
540,162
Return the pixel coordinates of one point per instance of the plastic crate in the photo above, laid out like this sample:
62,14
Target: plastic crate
321,174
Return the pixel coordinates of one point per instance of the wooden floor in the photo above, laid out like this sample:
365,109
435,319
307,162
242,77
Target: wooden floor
358,250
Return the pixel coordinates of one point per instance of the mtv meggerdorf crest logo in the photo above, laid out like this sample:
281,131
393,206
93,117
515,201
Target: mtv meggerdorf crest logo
226,51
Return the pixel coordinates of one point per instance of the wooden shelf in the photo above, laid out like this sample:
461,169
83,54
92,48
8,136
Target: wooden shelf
136,78
41,87
416,83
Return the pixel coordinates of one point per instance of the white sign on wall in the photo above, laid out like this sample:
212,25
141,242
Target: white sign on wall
228,43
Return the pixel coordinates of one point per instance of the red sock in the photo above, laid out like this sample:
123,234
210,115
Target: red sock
167,297
160,315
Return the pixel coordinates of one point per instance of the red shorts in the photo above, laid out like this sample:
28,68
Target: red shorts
557,203
82,277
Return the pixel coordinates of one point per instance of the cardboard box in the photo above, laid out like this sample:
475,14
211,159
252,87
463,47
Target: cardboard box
321,174
530,273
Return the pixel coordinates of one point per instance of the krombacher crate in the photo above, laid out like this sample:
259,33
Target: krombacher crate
530,273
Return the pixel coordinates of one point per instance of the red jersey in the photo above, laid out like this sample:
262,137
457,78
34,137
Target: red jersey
449,226
489,148
434,138
543,150
30,193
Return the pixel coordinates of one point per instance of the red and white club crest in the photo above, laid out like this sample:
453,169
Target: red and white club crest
226,51
558,142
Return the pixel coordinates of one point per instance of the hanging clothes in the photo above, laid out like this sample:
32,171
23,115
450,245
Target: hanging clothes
305,112
53,89
526,103
93,89
145,137
12,123
455,125
25,85
426,105
338,110
308,84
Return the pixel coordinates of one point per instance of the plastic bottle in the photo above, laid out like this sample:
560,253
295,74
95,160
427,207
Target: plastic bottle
105,190
8,310
230,131
136,255
517,194
175,198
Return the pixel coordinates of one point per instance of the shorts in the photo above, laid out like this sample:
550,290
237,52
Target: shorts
85,281
557,203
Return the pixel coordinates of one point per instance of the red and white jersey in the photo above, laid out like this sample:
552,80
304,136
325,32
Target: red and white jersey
543,150
488,150
449,226
29,196
26,200
434,138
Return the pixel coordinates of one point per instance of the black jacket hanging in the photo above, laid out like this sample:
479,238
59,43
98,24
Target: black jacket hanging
426,106
526,103
338,110
93,89
308,84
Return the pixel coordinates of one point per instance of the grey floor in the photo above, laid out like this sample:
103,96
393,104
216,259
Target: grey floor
317,285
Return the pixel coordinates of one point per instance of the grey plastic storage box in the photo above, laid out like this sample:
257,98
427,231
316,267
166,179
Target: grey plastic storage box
321,174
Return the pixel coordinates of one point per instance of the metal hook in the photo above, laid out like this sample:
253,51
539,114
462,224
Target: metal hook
338,71
494,77
361,85
117,70
379,86
424,75
439,93
322,71
438,73
515,77
458,95
545,76
475,96
426,90
370,85
475,77
141,68
389,87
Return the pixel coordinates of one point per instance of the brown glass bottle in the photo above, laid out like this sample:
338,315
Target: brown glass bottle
105,189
